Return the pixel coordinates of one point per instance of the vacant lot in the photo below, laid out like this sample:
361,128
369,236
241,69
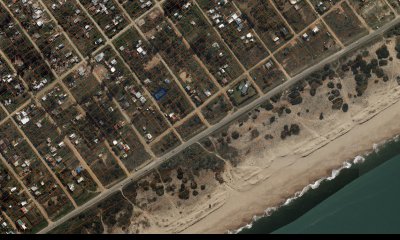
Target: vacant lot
122,139
216,109
191,127
165,144
375,12
268,75
307,50
345,24
89,142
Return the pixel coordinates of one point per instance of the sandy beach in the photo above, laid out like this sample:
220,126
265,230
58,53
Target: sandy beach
282,184
373,119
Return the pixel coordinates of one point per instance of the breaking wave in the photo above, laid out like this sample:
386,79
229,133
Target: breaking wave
347,164
297,195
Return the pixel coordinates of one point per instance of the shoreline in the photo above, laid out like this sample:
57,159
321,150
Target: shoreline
359,159
379,128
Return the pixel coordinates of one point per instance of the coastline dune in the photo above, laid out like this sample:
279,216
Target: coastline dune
377,126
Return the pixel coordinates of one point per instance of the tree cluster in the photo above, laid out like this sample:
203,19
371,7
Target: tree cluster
287,131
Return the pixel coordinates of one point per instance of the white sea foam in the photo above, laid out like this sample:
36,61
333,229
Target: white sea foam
357,160
376,148
299,194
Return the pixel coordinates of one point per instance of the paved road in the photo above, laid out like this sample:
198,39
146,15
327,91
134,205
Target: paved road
146,169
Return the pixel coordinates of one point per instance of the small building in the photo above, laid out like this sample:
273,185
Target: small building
79,180
21,224
24,210
315,30
245,88
269,64
284,31
305,37
99,57
149,137
71,187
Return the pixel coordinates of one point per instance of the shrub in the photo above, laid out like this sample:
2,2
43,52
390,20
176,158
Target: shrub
383,63
379,73
268,136
295,99
276,97
183,193
268,106
160,190
382,52
337,103
207,143
272,119
294,129
254,134
335,92
345,107
313,91
385,78
235,135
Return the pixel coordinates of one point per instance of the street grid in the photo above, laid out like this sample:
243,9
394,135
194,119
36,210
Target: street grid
154,161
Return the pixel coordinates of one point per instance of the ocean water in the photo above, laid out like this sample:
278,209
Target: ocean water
361,197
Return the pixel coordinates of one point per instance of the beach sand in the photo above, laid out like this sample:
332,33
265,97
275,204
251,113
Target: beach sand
267,176
295,172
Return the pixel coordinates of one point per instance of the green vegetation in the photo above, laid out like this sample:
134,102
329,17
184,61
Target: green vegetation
287,131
